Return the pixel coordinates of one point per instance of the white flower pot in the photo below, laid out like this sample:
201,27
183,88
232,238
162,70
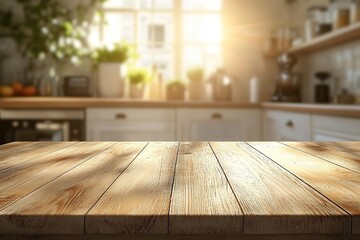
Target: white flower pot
111,80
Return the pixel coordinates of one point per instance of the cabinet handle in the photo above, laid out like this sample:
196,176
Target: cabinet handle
216,116
290,124
120,116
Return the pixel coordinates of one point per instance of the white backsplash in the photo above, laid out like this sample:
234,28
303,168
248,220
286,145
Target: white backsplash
343,62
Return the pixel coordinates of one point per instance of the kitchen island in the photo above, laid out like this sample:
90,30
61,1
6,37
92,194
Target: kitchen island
179,190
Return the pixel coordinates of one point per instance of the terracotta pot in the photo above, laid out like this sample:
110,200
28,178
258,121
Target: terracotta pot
176,93
196,90
137,90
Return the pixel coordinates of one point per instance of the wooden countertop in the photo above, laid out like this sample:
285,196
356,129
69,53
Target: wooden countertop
78,103
81,103
319,109
171,190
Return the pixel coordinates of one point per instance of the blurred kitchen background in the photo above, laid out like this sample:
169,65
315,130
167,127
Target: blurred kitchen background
189,70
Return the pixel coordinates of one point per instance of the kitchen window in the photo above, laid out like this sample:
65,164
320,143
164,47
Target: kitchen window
173,34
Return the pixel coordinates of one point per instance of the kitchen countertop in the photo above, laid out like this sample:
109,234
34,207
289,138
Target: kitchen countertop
172,190
319,109
77,103
81,103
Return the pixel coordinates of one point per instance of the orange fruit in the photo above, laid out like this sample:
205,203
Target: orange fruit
29,91
17,88
6,91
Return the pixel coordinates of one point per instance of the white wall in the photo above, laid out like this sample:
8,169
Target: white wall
247,24
343,62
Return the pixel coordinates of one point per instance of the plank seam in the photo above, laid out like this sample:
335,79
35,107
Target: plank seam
45,154
303,181
231,187
87,212
54,178
173,185
320,157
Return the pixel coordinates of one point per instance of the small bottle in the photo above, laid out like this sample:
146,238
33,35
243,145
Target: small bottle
254,89
154,84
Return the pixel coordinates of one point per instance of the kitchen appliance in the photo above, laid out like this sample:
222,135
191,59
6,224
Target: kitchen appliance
288,82
76,86
222,85
41,125
322,90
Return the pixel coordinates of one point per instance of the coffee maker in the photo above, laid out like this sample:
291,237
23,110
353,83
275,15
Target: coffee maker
287,81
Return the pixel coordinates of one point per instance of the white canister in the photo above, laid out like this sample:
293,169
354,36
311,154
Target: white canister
111,80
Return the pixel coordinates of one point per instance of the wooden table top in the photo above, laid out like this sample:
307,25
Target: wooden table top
172,189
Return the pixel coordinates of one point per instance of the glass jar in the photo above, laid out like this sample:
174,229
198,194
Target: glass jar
318,21
355,11
341,13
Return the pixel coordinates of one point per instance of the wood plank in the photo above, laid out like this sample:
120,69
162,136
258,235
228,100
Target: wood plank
139,200
60,206
350,147
29,152
181,237
202,201
22,179
340,185
273,200
13,146
345,159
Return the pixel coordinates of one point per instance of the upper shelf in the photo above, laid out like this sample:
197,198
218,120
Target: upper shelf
335,38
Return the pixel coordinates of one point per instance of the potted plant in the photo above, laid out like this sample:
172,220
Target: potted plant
196,83
175,90
49,35
138,77
111,68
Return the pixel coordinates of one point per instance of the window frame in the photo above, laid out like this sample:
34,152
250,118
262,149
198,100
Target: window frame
178,44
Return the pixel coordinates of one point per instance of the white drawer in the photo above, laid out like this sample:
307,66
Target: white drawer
214,113
130,114
290,126
336,128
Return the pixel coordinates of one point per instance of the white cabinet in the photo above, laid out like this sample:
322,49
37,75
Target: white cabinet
335,129
286,126
114,124
218,125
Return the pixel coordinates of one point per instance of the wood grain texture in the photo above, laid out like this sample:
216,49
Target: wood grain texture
139,200
14,146
345,159
340,185
19,180
29,151
273,200
202,201
60,206
349,147
182,237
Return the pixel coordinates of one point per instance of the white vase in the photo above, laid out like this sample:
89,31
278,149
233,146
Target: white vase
111,80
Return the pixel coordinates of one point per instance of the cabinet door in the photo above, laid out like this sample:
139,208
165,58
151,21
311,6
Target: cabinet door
335,129
286,126
218,125
131,131
116,124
